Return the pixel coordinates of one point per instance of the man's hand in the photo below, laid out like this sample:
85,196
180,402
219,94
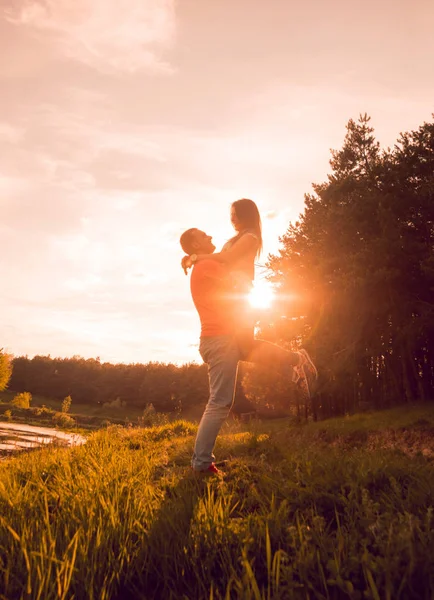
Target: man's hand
186,263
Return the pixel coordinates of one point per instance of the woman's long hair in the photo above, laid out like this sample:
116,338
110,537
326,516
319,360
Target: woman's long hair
249,218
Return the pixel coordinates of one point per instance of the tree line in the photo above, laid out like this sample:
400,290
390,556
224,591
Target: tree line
355,274
90,381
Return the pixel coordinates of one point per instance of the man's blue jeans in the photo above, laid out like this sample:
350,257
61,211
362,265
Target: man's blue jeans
222,354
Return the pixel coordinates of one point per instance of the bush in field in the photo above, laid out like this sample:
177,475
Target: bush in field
22,400
151,417
5,369
66,404
61,419
118,403
8,415
40,411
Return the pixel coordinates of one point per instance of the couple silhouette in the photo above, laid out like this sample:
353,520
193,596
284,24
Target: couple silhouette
220,283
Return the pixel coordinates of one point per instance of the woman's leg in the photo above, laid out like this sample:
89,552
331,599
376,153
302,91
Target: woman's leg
265,353
276,358
272,355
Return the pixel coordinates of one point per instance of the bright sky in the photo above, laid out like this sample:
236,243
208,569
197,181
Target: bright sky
124,123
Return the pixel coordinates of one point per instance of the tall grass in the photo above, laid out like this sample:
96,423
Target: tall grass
344,511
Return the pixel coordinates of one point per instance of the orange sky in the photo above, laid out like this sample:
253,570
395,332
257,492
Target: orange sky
124,123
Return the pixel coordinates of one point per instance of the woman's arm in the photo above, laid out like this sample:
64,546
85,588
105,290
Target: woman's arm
247,244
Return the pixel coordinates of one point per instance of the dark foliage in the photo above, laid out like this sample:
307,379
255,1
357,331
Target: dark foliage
166,386
360,263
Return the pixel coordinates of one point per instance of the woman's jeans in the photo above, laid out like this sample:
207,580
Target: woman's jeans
221,353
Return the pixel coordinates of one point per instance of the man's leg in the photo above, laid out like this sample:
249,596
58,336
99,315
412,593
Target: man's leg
222,354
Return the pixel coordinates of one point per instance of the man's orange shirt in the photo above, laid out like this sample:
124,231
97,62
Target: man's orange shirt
211,293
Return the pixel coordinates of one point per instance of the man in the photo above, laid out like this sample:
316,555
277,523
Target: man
211,292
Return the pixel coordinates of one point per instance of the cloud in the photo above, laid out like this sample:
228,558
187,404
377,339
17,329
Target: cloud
9,134
104,34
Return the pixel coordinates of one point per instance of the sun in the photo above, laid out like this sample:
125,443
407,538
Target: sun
262,295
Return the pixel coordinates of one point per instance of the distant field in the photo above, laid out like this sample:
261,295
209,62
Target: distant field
338,509
87,416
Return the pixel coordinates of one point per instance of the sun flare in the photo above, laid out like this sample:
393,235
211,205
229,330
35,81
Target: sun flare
262,295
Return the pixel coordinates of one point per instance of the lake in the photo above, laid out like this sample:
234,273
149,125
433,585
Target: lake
15,437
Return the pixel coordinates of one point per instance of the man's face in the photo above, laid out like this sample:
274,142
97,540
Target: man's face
203,243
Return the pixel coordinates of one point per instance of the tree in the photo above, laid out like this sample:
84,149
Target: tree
5,369
22,400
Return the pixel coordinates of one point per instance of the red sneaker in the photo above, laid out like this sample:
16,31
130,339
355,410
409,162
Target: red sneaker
211,470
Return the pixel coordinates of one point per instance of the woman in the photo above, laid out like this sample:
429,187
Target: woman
239,255
239,252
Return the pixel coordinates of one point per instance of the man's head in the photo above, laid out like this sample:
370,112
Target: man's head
195,241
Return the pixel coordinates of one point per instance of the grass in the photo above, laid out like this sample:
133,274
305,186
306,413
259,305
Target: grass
339,509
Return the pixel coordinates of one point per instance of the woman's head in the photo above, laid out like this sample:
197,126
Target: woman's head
245,215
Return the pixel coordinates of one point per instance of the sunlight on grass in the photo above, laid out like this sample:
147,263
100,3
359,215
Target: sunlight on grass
300,513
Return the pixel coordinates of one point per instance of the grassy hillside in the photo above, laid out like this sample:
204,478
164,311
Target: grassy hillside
339,509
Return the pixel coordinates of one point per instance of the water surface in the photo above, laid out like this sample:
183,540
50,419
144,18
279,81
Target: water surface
15,437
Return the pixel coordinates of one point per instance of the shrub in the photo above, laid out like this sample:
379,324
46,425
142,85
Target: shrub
118,403
151,417
8,414
66,404
63,420
22,400
40,411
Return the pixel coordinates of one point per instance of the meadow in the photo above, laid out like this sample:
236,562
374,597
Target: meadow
342,508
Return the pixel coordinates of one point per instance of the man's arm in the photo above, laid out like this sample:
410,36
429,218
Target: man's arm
247,244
